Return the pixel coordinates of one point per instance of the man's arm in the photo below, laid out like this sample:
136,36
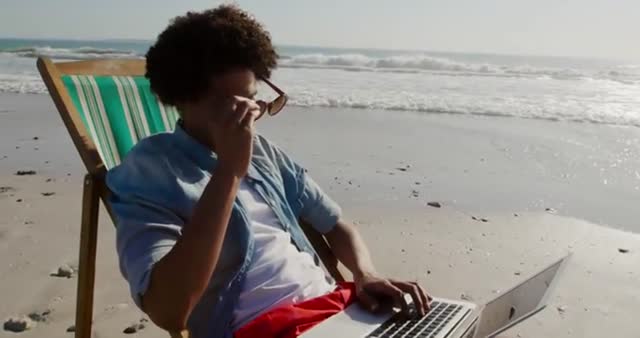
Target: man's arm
348,246
310,203
179,279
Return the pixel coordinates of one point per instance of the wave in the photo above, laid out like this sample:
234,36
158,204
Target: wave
410,88
354,62
432,64
81,53
551,109
21,84
547,113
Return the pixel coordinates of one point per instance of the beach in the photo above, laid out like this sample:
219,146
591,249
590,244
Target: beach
515,194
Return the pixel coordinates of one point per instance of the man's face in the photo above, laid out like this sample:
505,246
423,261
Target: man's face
239,82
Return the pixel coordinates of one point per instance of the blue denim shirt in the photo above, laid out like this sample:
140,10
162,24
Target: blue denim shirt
155,190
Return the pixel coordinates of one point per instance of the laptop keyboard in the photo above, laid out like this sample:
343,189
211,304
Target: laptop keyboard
425,327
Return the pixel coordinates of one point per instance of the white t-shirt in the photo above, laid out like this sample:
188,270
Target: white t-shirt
279,274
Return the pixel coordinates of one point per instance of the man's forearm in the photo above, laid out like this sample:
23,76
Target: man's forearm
179,279
349,247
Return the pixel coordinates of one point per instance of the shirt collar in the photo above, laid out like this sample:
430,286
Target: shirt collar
198,152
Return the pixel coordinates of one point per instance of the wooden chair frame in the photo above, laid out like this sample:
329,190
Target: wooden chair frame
94,187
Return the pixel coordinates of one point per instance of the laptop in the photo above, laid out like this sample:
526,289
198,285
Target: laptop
448,318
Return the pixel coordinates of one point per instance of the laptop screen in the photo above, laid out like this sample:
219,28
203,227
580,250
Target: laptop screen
517,304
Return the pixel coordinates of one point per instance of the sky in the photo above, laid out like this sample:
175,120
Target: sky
585,28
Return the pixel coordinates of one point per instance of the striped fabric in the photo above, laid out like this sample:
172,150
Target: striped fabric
118,111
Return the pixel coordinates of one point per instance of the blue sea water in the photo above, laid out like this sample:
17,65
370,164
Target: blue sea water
552,88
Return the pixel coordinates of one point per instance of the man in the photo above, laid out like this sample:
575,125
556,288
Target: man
207,231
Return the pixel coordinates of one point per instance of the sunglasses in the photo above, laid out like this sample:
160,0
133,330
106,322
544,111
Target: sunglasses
273,107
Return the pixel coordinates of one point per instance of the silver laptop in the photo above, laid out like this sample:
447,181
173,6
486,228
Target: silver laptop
448,318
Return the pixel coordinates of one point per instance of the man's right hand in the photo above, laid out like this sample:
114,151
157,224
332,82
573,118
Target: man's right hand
232,134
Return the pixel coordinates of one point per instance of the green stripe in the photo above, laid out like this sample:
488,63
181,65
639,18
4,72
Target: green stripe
125,111
111,139
150,103
133,109
120,112
98,124
83,106
163,116
116,125
73,93
136,102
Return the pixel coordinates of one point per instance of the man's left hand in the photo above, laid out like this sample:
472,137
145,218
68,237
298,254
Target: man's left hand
374,291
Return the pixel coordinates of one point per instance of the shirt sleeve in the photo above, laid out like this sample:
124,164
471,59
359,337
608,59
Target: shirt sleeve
307,200
144,234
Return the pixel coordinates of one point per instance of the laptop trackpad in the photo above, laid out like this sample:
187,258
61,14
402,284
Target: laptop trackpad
354,322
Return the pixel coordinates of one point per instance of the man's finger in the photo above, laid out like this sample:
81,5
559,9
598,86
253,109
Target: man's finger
390,290
241,110
426,299
250,118
413,290
368,301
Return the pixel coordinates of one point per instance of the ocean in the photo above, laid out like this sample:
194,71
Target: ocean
534,87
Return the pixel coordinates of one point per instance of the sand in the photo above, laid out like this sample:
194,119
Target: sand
383,168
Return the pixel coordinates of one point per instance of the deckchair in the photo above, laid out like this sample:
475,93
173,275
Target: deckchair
107,106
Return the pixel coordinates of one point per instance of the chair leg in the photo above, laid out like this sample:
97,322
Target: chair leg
87,260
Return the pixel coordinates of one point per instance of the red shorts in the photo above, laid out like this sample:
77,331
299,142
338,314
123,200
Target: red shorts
293,320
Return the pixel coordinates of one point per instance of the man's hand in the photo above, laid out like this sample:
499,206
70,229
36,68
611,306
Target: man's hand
232,135
375,292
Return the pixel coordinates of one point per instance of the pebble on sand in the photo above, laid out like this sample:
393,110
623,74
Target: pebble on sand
133,328
561,309
405,168
434,204
25,172
622,250
64,271
16,324
71,328
48,193
40,316
35,138
19,200
6,189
